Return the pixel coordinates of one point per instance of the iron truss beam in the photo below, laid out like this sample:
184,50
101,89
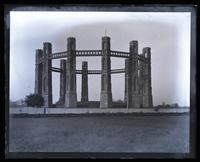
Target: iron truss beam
113,71
88,53
119,54
54,69
80,53
58,55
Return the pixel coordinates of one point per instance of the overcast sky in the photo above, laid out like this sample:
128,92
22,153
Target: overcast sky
168,35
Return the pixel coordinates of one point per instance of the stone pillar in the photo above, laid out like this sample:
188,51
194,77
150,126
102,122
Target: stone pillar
38,72
84,92
71,95
140,82
62,82
126,80
47,75
147,89
133,67
106,94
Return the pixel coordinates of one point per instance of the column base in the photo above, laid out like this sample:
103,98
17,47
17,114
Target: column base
106,100
71,99
47,101
147,101
84,99
135,101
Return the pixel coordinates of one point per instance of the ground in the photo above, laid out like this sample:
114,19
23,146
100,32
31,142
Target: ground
100,133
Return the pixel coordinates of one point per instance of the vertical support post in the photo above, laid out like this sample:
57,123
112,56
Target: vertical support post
106,94
147,89
71,95
133,67
140,82
84,92
126,81
62,82
38,72
47,75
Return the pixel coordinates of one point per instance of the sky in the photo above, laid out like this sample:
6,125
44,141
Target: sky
167,34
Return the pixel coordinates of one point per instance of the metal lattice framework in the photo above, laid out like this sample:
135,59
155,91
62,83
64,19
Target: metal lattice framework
81,53
114,71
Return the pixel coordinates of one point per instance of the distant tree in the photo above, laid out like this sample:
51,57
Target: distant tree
167,106
34,100
176,105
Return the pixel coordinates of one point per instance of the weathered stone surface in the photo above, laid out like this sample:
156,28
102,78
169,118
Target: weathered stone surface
84,90
126,80
62,82
106,94
71,95
133,72
147,90
38,72
47,75
141,81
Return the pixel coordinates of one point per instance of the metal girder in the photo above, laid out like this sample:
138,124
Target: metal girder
54,69
119,54
88,53
113,71
58,55
80,53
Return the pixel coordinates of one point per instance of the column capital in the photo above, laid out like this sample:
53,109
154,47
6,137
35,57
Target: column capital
133,47
105,38
146,52
46,44
133,43
38,53
71,39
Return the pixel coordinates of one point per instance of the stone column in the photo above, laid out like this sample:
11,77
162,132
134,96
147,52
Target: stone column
62,82
47,75
147,89
38,72
126,80
84,92
140,82
133,67
106,94
71,95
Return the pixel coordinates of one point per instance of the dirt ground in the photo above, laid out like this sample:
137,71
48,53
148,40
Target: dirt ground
162,133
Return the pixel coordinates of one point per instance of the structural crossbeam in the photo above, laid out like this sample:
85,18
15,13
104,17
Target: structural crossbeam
58,55
95,53
117,71
119,54
99,71
88,53
54,69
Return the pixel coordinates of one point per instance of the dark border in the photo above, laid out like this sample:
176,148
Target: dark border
120,8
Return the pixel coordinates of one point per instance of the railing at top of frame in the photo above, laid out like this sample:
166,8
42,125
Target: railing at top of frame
96,53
